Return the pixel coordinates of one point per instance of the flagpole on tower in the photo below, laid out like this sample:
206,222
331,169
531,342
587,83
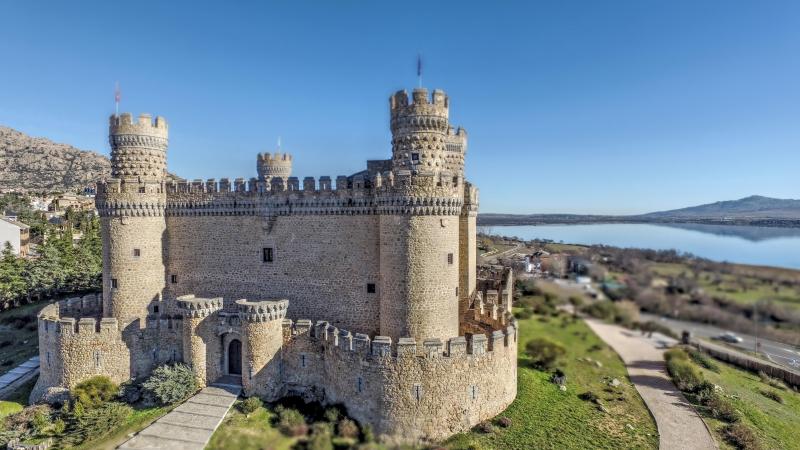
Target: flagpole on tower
117,96
419,70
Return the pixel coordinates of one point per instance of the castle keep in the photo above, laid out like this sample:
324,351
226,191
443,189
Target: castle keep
360,290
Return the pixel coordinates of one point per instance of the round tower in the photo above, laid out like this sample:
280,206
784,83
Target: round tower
422,138
133,228
419,207
273,165
262,330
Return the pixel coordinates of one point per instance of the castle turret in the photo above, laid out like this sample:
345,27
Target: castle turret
273,165
419,223
422,138
262,330
133,227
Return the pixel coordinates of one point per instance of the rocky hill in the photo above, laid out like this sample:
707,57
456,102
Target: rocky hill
37,164
754,206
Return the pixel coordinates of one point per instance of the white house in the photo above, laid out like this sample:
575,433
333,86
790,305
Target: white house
17,233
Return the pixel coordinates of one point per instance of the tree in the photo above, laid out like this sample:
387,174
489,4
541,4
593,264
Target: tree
12,282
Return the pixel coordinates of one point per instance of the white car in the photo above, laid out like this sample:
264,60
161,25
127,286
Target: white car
729,337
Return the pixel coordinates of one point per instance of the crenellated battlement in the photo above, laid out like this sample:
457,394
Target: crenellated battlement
435,194
144,125
263,310
381,349
276,157
196,307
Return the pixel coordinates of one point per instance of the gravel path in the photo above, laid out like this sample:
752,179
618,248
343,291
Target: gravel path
679,426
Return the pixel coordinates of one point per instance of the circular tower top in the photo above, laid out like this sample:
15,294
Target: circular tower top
422,138
138,148
271,165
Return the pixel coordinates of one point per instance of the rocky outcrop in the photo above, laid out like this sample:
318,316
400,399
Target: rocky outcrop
37,164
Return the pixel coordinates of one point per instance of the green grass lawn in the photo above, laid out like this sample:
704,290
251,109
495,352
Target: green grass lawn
253,432
777,425
543,417
18,335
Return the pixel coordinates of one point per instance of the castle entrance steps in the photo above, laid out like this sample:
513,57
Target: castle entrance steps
190,425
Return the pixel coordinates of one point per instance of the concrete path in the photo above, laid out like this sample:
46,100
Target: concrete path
679,426
190,425
18,375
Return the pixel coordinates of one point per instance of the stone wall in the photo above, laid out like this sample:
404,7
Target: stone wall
407,390
75,344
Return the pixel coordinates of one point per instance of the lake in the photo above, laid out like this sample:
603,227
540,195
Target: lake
765,246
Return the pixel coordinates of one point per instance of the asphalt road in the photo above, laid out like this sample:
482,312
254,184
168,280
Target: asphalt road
781,354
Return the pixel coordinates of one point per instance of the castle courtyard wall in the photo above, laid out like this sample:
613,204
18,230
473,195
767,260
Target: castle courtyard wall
322,263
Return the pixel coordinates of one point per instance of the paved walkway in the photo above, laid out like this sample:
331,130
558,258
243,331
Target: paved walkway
18,375
679,426
190,425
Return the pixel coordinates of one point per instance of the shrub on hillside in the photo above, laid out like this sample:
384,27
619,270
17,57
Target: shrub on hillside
97,422
772,395
774,382
544,353
320,438
601,310
722,409
742,437
626,313
676,353
250,405
703,360
655,327
347,428
291,422
95,391
684,374
169,384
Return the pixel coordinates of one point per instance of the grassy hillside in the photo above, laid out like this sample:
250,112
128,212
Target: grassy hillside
542,416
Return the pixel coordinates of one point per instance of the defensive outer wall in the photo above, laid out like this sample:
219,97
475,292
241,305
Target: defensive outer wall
358,290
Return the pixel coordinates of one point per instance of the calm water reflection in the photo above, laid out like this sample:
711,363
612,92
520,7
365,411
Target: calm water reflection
749,245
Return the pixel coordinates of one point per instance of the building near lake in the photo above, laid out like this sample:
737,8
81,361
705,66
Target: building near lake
360,290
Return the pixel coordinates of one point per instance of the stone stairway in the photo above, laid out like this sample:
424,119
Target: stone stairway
190,425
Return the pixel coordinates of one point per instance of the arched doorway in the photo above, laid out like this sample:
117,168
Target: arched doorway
235,357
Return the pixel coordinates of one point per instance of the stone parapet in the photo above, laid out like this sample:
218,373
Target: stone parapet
263,310
191,306
381,349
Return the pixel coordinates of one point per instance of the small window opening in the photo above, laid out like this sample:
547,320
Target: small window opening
137,252
360,384
415,157
114,283
174,279
370,288
267,254
155,309
141,189
303,360
449,258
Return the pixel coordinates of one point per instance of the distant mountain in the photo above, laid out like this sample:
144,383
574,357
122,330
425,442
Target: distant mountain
753,207
38,164
754,210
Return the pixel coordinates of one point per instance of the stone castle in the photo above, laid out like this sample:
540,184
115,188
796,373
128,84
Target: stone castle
363,292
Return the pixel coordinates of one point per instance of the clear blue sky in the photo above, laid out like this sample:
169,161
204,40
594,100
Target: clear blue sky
583,107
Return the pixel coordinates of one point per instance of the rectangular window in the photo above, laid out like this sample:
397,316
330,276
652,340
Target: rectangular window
267,254
174,279
302,360
449,258
415,157
141,189
155,309
137,253
456,291
370,288
114,283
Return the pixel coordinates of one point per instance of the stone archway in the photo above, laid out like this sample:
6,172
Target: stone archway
234,357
